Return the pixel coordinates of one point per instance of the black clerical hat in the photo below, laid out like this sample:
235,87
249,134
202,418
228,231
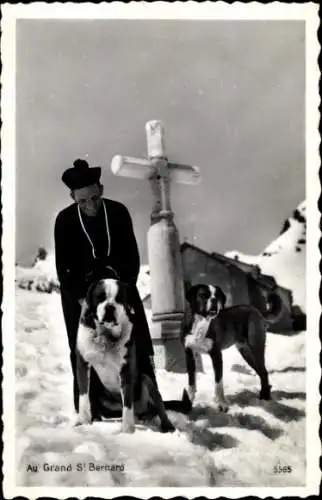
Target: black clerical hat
81,175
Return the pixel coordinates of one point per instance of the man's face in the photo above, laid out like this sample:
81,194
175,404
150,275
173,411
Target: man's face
89,198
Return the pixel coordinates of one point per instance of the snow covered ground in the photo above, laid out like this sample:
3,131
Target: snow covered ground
240,448
245,447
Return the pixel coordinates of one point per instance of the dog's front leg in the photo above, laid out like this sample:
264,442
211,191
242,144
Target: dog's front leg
191,369
127,391
216,358
84,415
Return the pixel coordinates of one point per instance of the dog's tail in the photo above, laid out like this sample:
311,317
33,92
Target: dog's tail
183,406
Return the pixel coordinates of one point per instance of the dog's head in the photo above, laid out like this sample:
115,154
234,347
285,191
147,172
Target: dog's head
107,308
206,299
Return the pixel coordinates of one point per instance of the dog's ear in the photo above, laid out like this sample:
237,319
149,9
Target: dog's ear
88,316
124,296
221,296
90,294
186,286
191,295
89,312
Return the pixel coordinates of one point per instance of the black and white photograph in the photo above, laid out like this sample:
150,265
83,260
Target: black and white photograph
159,191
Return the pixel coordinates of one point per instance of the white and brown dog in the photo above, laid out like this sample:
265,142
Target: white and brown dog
213,327
106,344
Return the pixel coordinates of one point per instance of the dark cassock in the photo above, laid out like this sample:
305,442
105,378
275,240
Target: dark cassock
88,248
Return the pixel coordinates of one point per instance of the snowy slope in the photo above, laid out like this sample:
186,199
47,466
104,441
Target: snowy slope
240,448
42,276
285,257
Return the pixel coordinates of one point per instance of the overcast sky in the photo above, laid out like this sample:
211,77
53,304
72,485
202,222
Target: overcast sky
230,94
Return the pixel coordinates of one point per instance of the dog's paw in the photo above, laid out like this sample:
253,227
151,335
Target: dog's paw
167,426
221,405
128,423
84,419
74,420
84,416
127,428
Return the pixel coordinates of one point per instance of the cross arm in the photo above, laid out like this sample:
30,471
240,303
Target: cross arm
140,168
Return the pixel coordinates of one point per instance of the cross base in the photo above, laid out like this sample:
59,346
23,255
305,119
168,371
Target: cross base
169,353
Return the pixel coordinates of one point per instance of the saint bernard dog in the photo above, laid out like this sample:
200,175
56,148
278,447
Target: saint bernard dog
212,327
105,343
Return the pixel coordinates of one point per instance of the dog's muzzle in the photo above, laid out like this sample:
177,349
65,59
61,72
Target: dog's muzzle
109,314
213,306
208,307
112,331
108,323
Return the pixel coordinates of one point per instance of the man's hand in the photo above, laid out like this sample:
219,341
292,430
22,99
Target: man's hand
81,302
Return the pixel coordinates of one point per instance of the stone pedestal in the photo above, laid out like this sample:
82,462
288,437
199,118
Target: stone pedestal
168,348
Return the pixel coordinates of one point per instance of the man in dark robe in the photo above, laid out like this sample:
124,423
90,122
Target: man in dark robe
94,239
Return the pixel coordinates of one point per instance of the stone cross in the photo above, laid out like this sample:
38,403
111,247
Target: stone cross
167,291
